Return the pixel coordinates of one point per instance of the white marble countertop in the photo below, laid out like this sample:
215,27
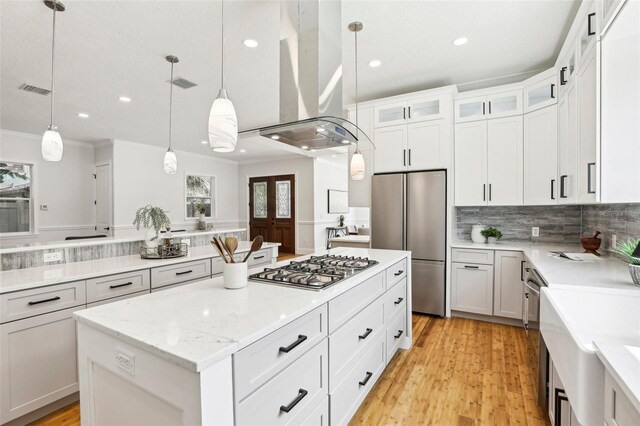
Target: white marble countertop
606,271
45,245
23,279
623,363
198,324
352,238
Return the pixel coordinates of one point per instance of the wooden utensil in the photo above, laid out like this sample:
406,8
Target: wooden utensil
256,244
232,245
215,245
225,249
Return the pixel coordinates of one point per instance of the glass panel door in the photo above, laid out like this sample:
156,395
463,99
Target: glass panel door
390,114
424,110
470,109
541,94
283,199
587,33
505,104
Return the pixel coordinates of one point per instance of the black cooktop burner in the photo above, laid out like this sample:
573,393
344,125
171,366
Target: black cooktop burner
315,273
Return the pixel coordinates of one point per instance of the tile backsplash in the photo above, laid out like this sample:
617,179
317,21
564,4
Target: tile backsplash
623,220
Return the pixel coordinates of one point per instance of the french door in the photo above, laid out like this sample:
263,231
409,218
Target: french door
272,210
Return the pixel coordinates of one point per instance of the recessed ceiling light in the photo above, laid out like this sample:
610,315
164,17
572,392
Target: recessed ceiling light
243,150
250,43
204,142
83,115
124,99
304,147
275,137
460,41
375,63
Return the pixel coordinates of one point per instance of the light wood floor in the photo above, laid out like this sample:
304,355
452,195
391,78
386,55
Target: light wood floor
286,256
459,372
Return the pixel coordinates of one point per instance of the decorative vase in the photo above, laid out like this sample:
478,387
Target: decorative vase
152,237
476,235
634,271
202,225
492,240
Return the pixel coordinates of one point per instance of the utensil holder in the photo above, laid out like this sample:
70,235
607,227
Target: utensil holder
234,275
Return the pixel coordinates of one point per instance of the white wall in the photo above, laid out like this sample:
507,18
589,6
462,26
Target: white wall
329,173
139,179
66,187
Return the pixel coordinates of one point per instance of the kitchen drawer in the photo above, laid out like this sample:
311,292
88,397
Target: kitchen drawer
318,417
260,361
396,330
396,272
261,257
346,399
216,265
393,300
346,344
28,303
353,301
181,272
298,388
116,299
117,285
481,256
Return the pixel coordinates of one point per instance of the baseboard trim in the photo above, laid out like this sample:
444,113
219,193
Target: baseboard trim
44,411
488,318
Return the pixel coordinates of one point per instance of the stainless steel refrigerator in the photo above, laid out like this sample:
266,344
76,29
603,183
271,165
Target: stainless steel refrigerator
409,212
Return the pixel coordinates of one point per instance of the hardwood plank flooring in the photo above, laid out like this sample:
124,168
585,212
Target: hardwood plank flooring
458,372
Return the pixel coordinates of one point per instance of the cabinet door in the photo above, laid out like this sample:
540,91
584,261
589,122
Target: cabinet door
471,164
541,156
587,33
391,149
568,147
472,288
608,9
508,285
505,104
586,127
504,161
429,145
424,109
471,109
38,363
390,114
360,190
541,94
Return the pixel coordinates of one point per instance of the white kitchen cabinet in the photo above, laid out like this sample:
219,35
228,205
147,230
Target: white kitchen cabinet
494,105
618,409
540,91
360,190
568,146
504,161
588,32
608,9
471,164
567,70
424,109
472,288
541,156
471,109
391,149
37,362
428,144
410,111
390,114
508,286
587,117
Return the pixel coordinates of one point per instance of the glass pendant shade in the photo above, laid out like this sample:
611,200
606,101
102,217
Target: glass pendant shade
170,162
357,166
52,145
223,124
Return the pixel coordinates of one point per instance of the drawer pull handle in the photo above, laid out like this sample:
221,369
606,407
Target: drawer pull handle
366,334
398,273
397,336
399,301
184,272
37,302
121,285
470,267
258,257
301,338
366,379
301,394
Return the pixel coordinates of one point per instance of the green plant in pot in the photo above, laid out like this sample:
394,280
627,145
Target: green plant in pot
630,251
491,234
154,219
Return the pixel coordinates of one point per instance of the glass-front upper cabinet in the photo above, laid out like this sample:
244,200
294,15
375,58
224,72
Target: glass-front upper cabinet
587,33
609,7
471,109
504,104
540,91
424,109
390,114
419,109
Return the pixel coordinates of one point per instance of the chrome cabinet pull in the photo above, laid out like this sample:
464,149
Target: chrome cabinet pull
121,285
301,394
286,350
37,302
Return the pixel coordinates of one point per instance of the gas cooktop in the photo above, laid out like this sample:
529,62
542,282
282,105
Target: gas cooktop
315,273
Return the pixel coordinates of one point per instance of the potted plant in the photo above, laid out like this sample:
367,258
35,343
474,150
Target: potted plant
199,207
491,234
153,219
626,249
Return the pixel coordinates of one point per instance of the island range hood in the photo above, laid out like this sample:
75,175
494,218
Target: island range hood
311,80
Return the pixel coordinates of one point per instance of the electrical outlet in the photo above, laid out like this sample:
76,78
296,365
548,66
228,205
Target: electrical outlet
535,231
126,361
56,256
44,207
614,240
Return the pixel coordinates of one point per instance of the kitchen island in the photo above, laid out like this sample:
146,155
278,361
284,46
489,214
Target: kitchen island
268,354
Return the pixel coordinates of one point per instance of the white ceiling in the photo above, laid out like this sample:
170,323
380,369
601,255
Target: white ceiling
105,49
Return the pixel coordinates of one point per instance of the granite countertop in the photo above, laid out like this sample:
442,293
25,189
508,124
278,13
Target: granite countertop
198,324
23,279
47,245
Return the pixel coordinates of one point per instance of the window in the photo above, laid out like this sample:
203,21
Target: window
200,192
16,204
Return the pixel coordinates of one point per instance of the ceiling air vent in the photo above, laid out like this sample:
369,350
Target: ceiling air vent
34,89
183,83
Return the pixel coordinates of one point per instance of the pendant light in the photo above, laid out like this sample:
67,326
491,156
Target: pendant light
223,123
51,141
357,166
170,160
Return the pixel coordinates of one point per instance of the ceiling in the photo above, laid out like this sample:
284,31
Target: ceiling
106,49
